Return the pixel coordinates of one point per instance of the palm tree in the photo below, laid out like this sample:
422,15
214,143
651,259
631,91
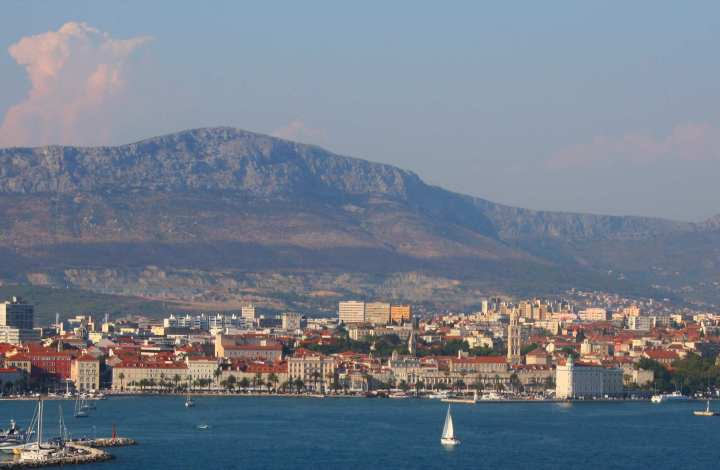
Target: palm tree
121,376
316,377
176,380
273,379
232,381
217,373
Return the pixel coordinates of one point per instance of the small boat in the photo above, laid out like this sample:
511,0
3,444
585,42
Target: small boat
13,437
448,435
664,397
706,412
464,401
203,427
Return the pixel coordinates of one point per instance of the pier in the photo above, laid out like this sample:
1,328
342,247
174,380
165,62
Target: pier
76,454
103,442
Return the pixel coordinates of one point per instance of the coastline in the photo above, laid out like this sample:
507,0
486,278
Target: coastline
196,394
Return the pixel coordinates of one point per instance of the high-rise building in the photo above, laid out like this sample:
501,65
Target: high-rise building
351,311
484,308
400,313
17,314
377,313
247,311
514,340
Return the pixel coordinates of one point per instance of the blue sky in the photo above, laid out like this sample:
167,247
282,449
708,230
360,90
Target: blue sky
606,107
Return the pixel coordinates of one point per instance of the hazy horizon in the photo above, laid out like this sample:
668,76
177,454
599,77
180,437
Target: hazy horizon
582,108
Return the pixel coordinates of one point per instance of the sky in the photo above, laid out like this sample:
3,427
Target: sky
600,107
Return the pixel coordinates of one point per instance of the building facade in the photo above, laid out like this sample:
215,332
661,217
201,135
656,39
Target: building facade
85,373
377,313
17,314
580,380
351,311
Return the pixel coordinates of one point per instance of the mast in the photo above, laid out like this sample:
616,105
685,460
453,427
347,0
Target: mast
40,423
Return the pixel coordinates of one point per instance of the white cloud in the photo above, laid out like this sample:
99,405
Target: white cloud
298,131
76,75
685,142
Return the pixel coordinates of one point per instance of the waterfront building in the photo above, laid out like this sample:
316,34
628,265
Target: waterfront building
19,361
377,313
238,347
201,368
514,340
139,374
351,311
315,370
85,373
487,365
587,380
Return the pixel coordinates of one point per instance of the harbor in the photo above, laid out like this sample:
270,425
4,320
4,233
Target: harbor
31,447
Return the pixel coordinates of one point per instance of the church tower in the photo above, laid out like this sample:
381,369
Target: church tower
514,341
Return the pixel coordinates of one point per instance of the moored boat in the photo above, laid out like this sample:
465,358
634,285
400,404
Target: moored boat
665,397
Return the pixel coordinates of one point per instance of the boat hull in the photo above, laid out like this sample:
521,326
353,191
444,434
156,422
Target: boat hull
449,441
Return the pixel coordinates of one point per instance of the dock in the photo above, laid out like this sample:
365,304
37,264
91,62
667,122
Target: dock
103,442
77,455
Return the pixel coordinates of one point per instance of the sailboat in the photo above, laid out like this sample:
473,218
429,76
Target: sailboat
189,403
706,412
80,409
36,452
448,435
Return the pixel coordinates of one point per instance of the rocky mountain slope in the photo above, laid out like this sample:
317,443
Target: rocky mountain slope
209,218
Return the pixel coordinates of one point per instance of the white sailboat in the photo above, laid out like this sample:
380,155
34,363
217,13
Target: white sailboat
706,412
36,452
448,435
80,410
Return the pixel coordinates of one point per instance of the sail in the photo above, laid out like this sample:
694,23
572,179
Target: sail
448,431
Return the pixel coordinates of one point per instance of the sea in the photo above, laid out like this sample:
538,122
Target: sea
361,433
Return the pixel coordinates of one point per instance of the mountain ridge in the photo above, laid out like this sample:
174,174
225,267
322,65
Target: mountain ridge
196,193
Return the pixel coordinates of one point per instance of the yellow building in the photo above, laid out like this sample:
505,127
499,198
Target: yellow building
85,373
400,313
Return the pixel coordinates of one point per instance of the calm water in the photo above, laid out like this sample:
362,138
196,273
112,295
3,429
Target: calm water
282,433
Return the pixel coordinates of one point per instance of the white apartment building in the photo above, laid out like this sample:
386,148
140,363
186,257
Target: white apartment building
587,380
351,311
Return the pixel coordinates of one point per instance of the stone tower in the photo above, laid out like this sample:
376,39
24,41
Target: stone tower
514,341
